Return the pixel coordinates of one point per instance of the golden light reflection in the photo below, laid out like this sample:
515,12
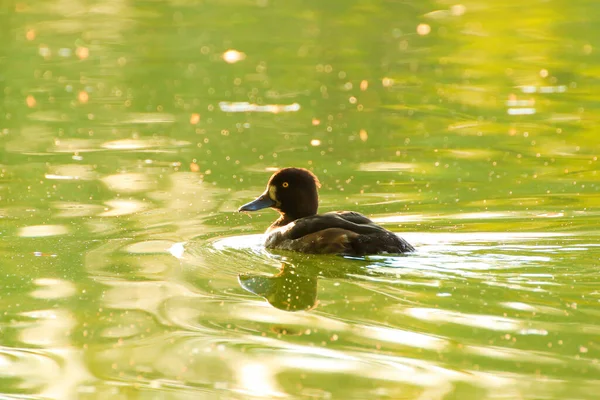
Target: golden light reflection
505,353
485,215
232,56
43,231
82,52
50,329
263,312
83,97
326,363
387,166
148,118
128,182
177,250
541,309
363,135
60,177
543,89
456,10
74,145
374,366
239,242
387,82
52,288
403,337
71,172
469,153
423,29
129,144
44,51
31,102
149,247
123,207
157,143
244,106
521,111
149,296
519,306
258,380
490,322
73,376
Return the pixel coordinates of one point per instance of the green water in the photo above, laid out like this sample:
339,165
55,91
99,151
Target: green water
471,129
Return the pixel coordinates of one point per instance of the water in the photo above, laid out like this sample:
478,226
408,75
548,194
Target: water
131,132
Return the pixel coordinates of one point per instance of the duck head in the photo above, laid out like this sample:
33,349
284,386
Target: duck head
291,191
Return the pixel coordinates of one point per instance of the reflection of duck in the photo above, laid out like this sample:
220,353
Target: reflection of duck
294,287
293,192
288,290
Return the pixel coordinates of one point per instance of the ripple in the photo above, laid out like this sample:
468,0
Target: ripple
149,247
50,329
380,320
477,321
29,370
248,242
403,337
73,209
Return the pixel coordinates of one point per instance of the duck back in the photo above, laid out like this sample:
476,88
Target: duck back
346,232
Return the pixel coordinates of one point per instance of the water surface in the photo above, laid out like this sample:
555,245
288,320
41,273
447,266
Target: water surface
130,133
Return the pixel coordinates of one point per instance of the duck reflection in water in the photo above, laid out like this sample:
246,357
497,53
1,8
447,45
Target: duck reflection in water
295,287
289,290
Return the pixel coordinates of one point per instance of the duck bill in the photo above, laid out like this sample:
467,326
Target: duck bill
263,201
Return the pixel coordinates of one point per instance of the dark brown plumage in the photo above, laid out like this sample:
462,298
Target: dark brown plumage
293,193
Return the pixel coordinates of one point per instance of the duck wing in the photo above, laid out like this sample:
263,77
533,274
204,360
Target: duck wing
344,232
348,220
352,216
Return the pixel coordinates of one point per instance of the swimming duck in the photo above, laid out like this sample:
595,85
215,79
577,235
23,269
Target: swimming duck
293,193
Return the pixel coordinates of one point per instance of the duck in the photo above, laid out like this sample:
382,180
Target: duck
293,192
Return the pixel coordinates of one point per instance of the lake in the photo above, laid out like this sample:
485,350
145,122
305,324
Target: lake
131,132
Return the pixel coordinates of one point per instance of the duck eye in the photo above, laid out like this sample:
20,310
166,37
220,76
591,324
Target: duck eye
285,184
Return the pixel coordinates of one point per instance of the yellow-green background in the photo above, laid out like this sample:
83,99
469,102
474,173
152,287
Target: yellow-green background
114,153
